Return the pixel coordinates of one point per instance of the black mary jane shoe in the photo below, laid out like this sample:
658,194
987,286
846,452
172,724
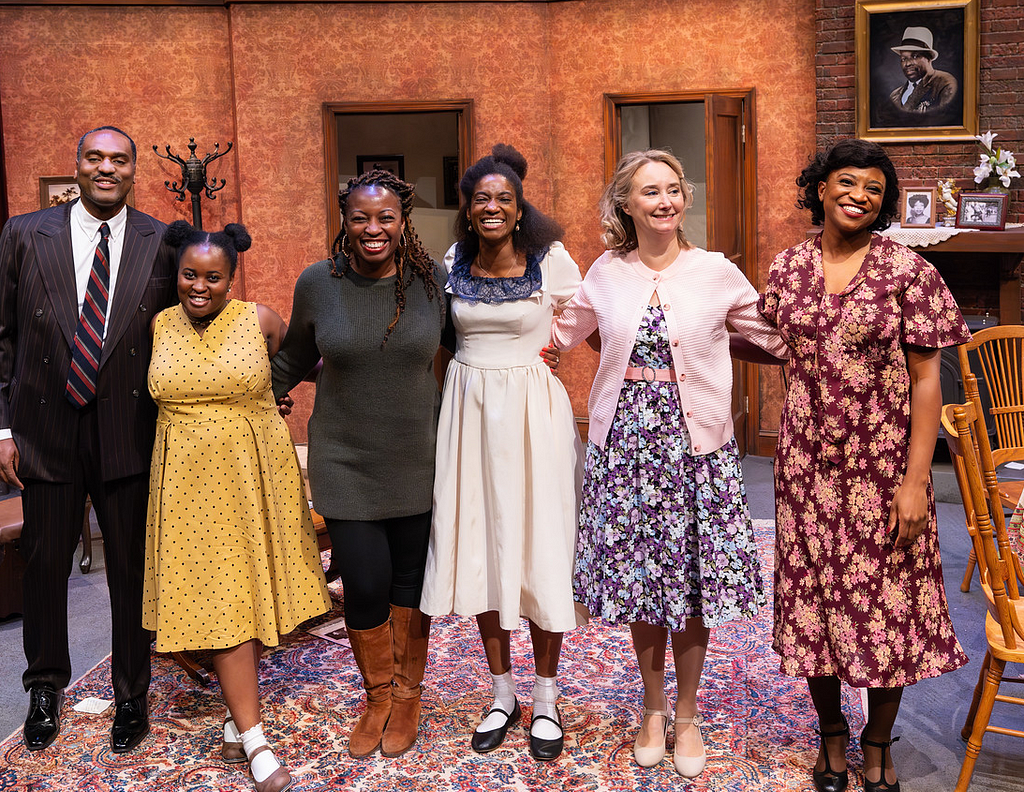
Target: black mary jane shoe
829,780
880,785
43,722
546,750
487,741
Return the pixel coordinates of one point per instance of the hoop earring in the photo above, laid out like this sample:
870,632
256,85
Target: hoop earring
346,246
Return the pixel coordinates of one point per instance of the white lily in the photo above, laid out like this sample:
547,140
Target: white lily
994,163
987,138
1006,175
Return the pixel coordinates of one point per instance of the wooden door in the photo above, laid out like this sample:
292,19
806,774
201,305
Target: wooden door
725,134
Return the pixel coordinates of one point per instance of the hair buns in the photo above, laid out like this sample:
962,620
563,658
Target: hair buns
239,236
177,233
509,155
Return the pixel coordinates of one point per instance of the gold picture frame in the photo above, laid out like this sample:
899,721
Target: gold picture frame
943,103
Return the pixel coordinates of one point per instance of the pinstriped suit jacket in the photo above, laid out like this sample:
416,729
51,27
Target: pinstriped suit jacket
38,317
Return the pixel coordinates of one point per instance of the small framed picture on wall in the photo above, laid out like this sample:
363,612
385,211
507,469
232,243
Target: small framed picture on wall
57,190
982,210
918,207
392,163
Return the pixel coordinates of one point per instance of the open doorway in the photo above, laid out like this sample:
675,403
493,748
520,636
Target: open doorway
424,143
708,131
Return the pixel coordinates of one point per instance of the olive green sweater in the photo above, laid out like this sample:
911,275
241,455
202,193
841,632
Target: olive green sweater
374,422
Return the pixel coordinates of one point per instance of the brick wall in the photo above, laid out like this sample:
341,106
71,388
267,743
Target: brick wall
1000,95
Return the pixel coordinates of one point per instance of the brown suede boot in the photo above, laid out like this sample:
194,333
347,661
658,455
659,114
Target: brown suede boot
375,658
410,632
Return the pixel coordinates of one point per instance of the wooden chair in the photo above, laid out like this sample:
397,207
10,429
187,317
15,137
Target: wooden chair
1000,353
956,456
1006,493
999,571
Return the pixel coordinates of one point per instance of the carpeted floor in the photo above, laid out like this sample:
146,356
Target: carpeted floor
758,730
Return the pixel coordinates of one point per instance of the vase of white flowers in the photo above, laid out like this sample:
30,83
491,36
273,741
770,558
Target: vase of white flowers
997,166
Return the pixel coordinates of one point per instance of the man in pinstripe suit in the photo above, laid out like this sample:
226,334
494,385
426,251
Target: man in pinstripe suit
58,450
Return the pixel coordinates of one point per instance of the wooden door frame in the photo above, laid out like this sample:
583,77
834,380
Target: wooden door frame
330,112
613,151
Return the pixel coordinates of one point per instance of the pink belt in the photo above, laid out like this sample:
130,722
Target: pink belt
649,374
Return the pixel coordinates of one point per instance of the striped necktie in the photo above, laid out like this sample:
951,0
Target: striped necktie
85,358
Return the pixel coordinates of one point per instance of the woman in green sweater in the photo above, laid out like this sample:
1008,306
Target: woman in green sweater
375,313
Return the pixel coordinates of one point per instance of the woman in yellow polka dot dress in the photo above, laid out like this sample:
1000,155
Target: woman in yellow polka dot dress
231,554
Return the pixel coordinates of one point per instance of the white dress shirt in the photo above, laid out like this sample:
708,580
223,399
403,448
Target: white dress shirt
85,236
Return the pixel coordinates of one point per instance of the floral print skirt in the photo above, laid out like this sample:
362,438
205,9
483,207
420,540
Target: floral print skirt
664,534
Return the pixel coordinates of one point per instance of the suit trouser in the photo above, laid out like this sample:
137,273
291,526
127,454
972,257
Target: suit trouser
54,512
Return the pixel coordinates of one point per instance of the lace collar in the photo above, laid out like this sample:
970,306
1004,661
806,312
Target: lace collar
494,290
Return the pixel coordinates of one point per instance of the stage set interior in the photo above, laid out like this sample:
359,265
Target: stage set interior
309,94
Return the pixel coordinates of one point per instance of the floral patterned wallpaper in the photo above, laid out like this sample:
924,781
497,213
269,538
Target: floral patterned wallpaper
259,74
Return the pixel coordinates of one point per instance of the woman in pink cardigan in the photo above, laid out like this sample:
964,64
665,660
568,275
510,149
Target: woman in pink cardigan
665,541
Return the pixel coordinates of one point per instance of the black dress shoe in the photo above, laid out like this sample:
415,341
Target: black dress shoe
131,724
486,741
546,750
43,722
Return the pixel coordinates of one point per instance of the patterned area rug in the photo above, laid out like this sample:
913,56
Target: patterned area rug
758,729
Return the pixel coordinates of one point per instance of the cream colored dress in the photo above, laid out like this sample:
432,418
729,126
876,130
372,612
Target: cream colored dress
231,551
509,460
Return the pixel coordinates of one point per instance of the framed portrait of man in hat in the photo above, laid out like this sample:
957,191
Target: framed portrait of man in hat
917,69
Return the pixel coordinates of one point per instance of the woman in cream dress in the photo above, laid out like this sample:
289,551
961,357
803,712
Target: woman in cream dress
509,463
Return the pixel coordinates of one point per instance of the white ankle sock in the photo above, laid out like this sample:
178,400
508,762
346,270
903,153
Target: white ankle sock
230,730
263,764
545,694
504,689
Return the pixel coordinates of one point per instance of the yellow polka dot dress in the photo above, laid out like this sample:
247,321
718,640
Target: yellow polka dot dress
231,551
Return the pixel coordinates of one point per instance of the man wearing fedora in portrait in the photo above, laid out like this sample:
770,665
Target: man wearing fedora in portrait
926,89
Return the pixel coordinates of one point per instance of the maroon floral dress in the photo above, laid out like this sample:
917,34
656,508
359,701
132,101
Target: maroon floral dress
848,603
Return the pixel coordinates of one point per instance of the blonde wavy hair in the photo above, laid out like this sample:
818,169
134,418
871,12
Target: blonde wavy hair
619,232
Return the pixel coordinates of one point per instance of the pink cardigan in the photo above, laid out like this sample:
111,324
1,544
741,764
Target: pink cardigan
699,292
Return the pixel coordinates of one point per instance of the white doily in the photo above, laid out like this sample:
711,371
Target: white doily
923,237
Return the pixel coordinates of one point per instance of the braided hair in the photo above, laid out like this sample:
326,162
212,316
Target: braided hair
232,240
411,255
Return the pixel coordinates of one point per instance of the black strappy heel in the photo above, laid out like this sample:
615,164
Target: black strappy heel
829,780
880,785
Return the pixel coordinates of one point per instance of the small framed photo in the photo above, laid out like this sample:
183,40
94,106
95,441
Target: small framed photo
57,190
982,210
393,163
918,207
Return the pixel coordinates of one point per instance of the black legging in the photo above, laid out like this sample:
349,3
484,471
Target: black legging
381,563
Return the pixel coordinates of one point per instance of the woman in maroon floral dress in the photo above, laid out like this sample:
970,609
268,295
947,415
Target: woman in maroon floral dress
858,582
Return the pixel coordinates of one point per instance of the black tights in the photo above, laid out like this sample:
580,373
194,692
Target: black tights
381,563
